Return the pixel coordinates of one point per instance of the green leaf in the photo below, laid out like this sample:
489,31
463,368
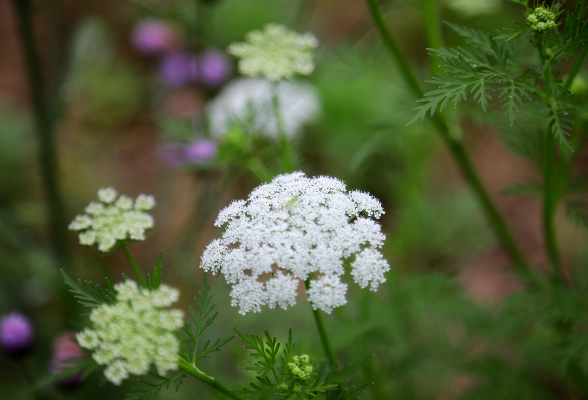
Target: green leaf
89,294
152,389
524,189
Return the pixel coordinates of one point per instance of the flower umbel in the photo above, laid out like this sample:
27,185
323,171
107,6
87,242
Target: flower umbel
114,219
135,332
275,53
541,20
293,229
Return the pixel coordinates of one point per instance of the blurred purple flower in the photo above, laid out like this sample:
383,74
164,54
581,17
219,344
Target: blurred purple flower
177,69
201,152
16,334
65,353
171,154
215,68
152,36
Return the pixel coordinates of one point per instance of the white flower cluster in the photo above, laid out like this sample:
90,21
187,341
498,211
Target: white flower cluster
134,332
114,219
275,53
293,229
247,103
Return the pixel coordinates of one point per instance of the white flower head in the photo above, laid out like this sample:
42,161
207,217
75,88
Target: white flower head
275,53
135,332
113,219
247,103
293,229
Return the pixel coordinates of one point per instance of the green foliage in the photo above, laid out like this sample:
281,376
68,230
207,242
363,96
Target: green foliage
484,65
152,389
278,374
90,294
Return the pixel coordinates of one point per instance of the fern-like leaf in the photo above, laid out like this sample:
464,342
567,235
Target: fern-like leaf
89,294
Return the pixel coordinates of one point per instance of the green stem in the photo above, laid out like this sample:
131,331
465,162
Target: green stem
576,68
286,151
452,139
433,27
320,325
549,190
134,265
191,370
44,127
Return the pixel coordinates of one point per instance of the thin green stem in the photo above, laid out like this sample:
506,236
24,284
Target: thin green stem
138,273
320,325
44,127
286,151
549,190
191,370
576,67
452,139
431,14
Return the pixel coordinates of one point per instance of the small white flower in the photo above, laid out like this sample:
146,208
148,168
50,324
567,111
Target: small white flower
290,230
107,195
247,104
135,332
113,220
275,53
327,293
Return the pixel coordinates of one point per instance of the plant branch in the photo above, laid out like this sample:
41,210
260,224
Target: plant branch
286,151
452,140
576,68
191,370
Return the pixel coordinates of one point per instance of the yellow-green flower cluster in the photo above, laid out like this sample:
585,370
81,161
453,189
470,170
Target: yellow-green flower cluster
275,53
541,20
300,367
113,219
135,332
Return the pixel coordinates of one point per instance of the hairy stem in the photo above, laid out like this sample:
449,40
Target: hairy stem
191,370
320,325
44,127
286,151
138,273
452,140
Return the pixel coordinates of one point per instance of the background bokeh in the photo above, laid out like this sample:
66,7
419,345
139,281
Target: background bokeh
433,328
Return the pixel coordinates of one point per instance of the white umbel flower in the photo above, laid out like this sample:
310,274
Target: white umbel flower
275,53
112,220
137,331
290,230
247,103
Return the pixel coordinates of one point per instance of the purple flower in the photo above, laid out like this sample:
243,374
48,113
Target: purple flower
201,152
16,334
65,352
177,69
215,68
152,36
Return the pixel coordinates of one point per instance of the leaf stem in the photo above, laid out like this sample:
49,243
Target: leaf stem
134,265
286,151
320,325
433,27
453,141
44,127
191,370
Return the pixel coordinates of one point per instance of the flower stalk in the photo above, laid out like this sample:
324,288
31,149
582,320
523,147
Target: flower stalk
286,151
322,330
455,145
136,269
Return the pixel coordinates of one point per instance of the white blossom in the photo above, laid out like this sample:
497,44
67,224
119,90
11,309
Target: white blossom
293,229
114,219
247,104
275,53
135,332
